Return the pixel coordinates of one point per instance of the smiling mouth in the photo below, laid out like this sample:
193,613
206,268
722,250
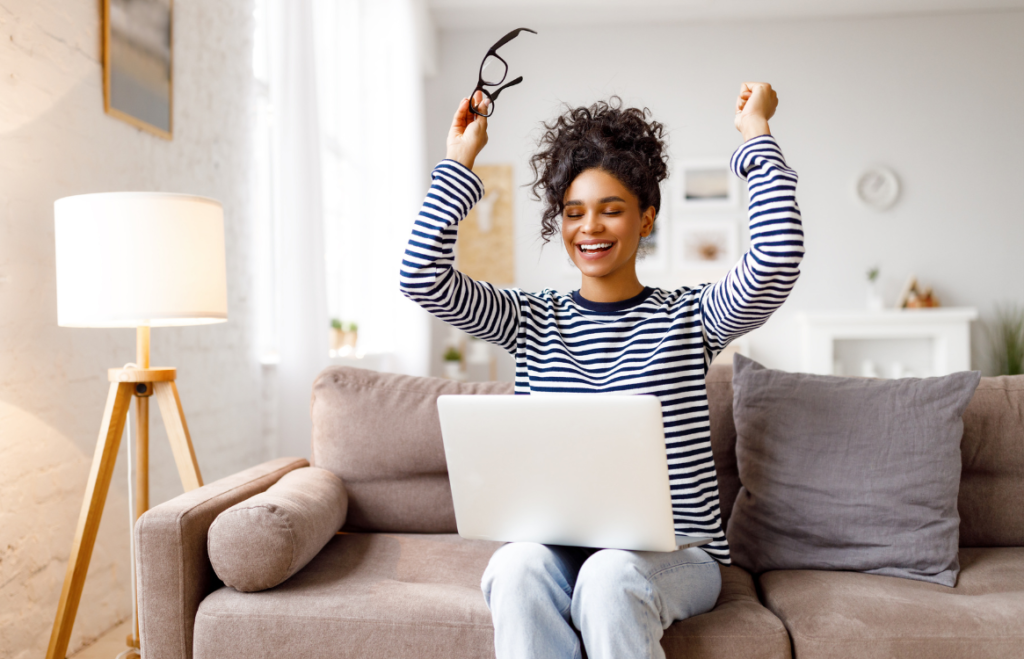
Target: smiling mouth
594,248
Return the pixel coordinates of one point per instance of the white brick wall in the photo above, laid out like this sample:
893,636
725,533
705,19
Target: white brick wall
55,141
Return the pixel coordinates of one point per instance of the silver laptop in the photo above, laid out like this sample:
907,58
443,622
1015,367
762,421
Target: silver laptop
583,470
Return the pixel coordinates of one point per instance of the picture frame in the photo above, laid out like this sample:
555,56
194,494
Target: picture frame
138,58
486,247
706,243
707,184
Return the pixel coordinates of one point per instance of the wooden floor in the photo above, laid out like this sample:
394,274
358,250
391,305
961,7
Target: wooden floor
107,646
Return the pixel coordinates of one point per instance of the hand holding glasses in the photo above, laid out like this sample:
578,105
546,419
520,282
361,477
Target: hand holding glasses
492,73
468,132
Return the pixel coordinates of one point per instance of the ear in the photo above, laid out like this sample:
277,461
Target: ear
647,222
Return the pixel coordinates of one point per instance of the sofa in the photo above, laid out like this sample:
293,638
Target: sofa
398,581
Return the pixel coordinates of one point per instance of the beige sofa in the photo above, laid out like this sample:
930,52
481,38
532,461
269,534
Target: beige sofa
399,582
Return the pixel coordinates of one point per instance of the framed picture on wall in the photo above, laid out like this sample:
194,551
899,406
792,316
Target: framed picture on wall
706,185
706,243
486,247
137,63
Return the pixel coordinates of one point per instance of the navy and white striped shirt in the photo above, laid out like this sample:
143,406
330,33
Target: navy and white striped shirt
660,342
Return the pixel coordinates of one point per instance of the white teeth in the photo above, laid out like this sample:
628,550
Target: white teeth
594,247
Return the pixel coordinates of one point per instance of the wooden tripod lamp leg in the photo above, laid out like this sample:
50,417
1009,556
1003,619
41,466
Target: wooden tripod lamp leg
141,483
142,424
118,400
177,433
141,456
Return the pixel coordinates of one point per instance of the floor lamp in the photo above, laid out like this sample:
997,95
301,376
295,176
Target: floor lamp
142,260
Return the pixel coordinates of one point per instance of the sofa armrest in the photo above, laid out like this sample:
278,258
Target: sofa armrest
173,571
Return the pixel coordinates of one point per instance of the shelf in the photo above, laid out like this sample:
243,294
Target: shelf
889,317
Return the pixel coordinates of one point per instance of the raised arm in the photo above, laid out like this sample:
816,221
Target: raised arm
764,276
428,275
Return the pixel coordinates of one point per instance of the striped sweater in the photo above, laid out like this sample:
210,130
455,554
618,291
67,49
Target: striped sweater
660,342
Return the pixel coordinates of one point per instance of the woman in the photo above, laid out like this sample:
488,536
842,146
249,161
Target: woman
598,172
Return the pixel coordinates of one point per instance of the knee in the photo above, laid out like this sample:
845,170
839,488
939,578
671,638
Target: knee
610,580
519,565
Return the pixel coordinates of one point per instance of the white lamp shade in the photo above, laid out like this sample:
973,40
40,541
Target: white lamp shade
131,259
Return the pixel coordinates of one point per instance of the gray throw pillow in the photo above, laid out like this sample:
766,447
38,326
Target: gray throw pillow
848,473
258,543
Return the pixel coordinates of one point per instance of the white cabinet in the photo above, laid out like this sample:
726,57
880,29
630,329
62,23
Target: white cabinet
888,343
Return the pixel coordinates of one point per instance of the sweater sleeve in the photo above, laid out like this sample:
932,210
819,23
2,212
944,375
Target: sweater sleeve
428,274
761,281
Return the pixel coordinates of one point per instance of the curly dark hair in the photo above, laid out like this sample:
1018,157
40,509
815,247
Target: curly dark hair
621,142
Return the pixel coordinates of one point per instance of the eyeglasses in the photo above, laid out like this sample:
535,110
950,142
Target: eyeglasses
492,73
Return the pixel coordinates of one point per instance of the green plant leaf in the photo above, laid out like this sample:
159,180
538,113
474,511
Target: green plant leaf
1008,340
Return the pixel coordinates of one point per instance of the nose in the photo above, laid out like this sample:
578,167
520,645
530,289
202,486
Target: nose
592,223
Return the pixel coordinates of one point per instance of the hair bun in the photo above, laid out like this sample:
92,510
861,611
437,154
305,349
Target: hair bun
605,136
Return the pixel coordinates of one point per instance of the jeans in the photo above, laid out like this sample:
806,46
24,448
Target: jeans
621,601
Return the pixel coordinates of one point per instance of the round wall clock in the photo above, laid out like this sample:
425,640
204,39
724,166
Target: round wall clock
878,188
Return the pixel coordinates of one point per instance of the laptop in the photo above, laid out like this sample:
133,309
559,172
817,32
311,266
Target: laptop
583,470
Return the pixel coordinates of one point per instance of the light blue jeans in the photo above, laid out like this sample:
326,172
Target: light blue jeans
621,601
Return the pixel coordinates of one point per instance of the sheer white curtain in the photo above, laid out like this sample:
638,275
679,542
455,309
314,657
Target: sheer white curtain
301,302
346,178
372,55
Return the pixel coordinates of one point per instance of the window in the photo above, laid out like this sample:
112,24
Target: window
265,229
337,46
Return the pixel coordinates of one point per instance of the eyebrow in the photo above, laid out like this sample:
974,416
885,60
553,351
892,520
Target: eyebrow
603,200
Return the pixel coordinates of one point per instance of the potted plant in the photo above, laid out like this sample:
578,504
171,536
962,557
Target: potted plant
1008,340
336,334
452,363
875,302
350,336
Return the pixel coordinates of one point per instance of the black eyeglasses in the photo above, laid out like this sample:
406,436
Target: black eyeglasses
492,73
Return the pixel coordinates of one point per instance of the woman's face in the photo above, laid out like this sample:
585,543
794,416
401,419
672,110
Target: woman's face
602,224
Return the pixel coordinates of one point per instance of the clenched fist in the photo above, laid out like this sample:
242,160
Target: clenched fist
754,107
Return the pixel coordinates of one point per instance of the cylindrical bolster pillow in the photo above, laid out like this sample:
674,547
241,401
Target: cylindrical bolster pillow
260,542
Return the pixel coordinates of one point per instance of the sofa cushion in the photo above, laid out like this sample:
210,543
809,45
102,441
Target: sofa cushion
718,383
848,473
363,596
380,433
412,595
738,626
173,569
992,451
835,615
258,543
992,454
